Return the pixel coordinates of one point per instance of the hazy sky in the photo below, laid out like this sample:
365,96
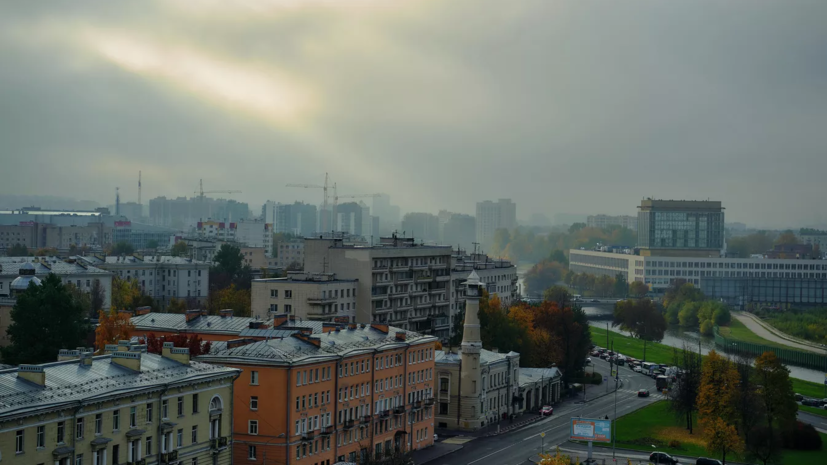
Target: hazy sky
581,107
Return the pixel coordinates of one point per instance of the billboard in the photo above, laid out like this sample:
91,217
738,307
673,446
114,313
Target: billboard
587,429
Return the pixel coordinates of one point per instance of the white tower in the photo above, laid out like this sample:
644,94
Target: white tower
470,379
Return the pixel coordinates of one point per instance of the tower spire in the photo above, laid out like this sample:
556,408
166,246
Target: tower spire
470,410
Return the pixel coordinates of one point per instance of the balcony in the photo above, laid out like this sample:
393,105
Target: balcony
404,307
169,457
384,414
137,462
419,318
404,279
349,424
365,419
424,279
321,300
437,266
429,401
419,292
400,268
218,443
441,303
326,430
443,278
420,267
308,435
381,310
399,410
438,290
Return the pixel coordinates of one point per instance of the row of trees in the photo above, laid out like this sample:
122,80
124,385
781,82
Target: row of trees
535,244
758,243
545,334
740,406
687,306
554,270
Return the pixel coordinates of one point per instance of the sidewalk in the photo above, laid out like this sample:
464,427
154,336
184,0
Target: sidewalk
764,330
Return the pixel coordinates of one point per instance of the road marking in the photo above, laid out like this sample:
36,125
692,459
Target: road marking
493,453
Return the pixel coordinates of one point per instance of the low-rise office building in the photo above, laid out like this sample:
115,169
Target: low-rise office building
124,407
335,396
313,296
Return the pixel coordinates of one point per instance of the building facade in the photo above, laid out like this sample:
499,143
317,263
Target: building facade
357,391
290,253
399,282
255,233
680,228
421,226
36,235
492,216
307,296
77,272
124,407
604,221
161,277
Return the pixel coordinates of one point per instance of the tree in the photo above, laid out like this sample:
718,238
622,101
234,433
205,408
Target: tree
179,249
112,327
558,255
228,259
776,394
122,248
748,408
558,294
717,399
152,244
638,289
154,345
576,227
787,238
46,252
17,250
681,291
177,306
604,285
543,275
44,319
684,394
641,318
621,287
236,299
568,329
97,296
125,293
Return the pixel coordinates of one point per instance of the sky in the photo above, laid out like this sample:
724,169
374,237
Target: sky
575,107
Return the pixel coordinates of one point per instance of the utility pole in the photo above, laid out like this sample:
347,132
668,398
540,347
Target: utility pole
614,421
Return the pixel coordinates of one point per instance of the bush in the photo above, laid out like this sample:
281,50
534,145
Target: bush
802,436
706,327
675,444
722,316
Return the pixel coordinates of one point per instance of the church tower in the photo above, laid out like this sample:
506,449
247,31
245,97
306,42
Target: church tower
470,377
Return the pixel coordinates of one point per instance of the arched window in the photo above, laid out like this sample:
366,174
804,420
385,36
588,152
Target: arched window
216,404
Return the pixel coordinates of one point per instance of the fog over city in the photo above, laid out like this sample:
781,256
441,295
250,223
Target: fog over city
564,107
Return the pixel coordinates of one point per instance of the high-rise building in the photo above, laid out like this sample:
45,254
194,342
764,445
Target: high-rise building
350,217
604,221
298,218
459,230
492,216
421,226
388,213
680,228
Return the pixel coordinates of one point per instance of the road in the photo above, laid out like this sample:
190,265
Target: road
516,447
761,331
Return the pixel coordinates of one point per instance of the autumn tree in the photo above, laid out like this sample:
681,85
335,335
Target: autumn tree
558,294
179,249
44,319
177,306
717,399
638,289
642,319
236,299
193,342
787,238
126,293
17,250
113,326
46,252
568,330
543,275
684,393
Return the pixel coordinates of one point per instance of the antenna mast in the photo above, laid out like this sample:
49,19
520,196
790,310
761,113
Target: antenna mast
139,189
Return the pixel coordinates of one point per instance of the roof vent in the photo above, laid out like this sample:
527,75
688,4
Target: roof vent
32,373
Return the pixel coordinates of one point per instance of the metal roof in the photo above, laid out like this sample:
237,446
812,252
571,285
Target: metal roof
486,356
140,260
533,375
70,381
177,322
45,265
267,333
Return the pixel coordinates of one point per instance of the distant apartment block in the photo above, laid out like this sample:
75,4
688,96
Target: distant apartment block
290,253
492,216
814,237
160,277
421,227
604,221
399,281
255,233
36,235
499,278
306,296
298,218
680,228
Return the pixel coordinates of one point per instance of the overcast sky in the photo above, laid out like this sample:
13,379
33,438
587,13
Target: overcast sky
580,107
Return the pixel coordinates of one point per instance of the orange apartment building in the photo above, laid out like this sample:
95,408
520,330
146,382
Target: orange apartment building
321,396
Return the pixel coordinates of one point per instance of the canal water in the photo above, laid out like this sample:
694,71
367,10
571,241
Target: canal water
677,337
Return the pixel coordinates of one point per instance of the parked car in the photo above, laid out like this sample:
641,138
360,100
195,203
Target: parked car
595,353
798,397
643,393
546,410
811,402
662,457
436,438
588,360
637,369
706,461
597,301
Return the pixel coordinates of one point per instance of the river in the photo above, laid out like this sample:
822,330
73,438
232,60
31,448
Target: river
677,337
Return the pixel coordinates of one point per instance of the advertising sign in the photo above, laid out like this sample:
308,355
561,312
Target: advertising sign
123,224
587,429
27,223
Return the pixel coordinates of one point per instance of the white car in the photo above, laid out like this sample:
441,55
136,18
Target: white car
637,369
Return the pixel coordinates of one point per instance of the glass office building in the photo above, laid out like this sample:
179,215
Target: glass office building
680,225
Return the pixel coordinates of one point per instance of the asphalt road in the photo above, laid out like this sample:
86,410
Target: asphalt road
516,447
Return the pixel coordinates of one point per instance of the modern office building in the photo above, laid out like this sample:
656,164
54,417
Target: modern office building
307,296
399,281
604,221
341,395
128,406
160,277
492,216
680,228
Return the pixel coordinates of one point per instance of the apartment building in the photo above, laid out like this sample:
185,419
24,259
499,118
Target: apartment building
128,406
336,396
255,233
77,272
492,216
499,277
161,277
399,282
290,254
307,296
36,235
604,221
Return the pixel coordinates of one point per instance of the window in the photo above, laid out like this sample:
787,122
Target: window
251,452
79,459
181,406
116,449
149,413
254,403
274,293
116,420
180,437
18,442
288,294
133,416
61,430
195,403
98,423
41,436
165,408
149,445
254,378
288,308
194,434
79,428
252,427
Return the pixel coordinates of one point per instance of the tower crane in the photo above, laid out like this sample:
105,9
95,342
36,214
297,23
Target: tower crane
324,216
201,193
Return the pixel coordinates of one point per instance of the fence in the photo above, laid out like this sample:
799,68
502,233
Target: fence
789,356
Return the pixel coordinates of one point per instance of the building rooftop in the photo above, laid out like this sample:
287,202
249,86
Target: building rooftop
533,375
384,244
10,266
304,277
486,356
215,324
71,381
138,259
304,348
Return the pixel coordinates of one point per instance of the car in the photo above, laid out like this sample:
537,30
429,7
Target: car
595,353
798,397
596,301
662,457
811,402
637,369
707,461
643,393
546,410
604,356
588,360
436,438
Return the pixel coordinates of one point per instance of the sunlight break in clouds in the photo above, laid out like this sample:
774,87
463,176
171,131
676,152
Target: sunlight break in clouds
252,89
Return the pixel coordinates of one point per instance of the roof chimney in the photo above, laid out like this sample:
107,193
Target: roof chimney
32,373
279,320
123,346
227,312
131,360
86,359
143,310
65,354
180,355
401,335
193,314
110,348
126,312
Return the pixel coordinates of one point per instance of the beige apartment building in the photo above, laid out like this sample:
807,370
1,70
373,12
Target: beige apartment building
306,296
128,406
399,282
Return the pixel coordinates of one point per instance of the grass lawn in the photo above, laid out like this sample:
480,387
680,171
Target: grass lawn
814,410
808,388
739,331
656,425
632,347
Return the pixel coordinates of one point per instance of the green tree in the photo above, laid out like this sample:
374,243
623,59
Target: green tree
568,329
125,293
122,248
228,260
642,319
576,227
17,250
777,398
621,287
152,244
542,276
180,249
45,319
638,289
558,255
558,294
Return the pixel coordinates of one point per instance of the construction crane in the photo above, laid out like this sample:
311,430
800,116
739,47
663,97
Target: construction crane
324,201
201,193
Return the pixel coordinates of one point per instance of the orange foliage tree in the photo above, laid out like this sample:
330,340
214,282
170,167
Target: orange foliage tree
154,345
717,400
112,327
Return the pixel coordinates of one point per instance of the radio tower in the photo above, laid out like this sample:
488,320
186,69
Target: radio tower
117,201
139,188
